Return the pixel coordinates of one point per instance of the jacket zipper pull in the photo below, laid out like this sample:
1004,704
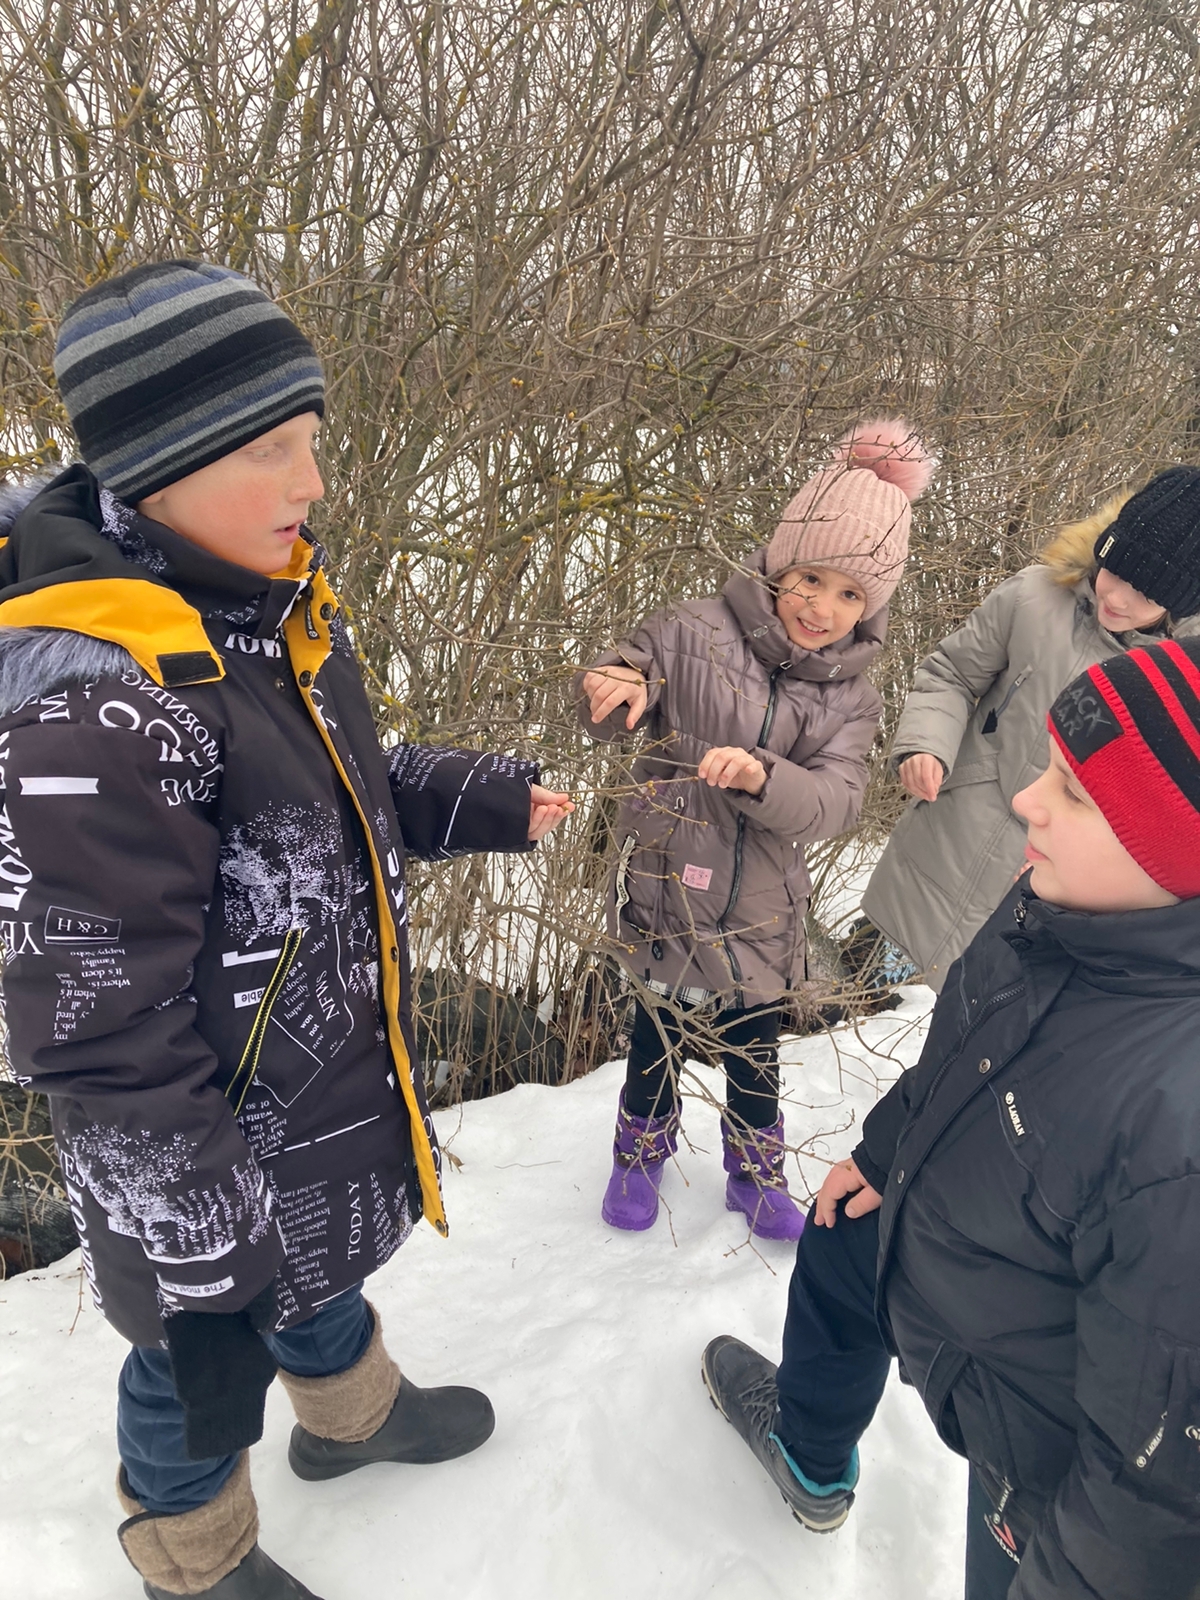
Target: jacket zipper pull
998,1514
309,629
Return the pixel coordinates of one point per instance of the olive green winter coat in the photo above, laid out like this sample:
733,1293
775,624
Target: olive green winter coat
979,704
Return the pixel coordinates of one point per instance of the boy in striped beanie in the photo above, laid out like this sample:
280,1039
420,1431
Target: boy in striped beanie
205,850
1021,1219
169,367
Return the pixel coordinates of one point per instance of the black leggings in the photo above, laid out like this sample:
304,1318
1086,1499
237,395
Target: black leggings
747,1041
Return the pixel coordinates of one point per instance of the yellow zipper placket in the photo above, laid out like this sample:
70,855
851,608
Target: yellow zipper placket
306,632
247,1067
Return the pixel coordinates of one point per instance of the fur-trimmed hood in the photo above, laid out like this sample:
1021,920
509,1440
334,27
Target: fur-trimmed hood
1071,554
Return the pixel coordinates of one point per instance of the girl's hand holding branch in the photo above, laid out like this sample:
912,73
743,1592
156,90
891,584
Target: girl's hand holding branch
728,767
610,687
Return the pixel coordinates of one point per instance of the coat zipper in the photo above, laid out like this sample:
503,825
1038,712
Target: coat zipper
992,720
240,1083
1012,689
998,999
735,887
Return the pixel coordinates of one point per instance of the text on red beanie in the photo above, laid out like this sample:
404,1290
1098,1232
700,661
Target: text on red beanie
1129,728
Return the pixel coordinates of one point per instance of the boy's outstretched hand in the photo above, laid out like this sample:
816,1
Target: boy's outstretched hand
842,1180
610,687
547,808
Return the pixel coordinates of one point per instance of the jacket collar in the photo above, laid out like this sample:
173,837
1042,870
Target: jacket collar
81,560
76,530
1134,952
750,599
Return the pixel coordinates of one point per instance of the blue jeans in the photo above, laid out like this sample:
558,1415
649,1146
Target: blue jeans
834,1369
150,1417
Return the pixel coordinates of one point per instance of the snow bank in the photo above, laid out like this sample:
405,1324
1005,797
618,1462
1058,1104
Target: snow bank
609,1471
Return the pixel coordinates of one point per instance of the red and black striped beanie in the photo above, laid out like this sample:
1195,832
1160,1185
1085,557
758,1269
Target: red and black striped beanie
1129,728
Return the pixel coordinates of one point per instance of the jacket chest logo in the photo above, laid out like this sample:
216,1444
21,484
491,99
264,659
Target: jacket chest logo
1014,1116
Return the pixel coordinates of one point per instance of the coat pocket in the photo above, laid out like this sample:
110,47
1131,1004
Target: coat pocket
991,718
248,1065
1166,1447
984,769
944,1372
982,1422
643,863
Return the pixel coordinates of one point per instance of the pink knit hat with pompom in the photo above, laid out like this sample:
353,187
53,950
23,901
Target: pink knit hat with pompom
854,515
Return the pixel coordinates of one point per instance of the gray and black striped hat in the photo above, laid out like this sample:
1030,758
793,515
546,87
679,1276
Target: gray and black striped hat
169,367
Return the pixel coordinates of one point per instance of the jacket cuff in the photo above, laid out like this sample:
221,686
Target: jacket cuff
874,1175
898,757
453,802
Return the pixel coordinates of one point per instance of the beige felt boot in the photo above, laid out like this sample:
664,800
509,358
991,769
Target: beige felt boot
211,1552
370,1413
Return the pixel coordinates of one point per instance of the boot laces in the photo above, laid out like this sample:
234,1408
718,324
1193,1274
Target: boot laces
760,1402
653,1144
768,1169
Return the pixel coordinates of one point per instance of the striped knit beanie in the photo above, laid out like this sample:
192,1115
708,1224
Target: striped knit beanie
169,367
1129,728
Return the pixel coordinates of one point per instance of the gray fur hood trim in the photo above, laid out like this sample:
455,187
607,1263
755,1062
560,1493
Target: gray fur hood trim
14,497
36,661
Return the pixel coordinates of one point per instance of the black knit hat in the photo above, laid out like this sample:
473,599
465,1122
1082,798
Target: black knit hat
1154,544
169,367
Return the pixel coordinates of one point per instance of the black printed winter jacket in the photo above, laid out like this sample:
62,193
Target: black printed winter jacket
202,904
1040,1239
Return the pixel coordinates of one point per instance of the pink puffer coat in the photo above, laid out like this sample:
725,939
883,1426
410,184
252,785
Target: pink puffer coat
710,886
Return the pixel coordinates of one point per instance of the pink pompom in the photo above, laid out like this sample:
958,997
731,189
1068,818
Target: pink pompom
891,449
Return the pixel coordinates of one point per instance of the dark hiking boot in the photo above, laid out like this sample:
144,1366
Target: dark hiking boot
423,1426
255,1578
741,1384
370,1413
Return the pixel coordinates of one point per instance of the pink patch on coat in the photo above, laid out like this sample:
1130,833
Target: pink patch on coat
697,877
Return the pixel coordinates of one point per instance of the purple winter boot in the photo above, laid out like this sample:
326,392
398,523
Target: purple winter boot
756,1185
640,1151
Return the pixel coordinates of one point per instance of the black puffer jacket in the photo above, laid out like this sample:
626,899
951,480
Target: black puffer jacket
202,893
1040,1239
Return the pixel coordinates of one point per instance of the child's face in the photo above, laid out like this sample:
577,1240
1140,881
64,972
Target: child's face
818,606
1120,607
1078,861
248,506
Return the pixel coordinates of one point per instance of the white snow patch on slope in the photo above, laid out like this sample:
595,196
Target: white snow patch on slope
609,1472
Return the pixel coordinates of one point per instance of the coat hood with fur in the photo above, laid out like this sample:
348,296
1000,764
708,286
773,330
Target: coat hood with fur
1071,554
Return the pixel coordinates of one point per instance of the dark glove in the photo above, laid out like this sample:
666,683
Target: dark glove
222,1371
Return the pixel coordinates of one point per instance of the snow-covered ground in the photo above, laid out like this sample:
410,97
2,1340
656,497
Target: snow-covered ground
609,1473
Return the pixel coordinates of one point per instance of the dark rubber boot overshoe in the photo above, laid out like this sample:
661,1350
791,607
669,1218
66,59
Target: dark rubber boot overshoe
641,1149
424,1426
256,1578
741,1384
211,1551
